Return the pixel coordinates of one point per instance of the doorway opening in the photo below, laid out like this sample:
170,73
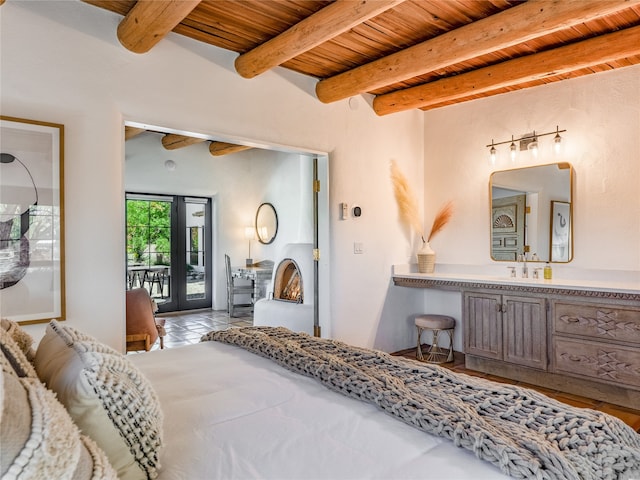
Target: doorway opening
168,239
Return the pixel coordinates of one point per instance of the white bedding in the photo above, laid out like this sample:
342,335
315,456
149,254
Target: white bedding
230,414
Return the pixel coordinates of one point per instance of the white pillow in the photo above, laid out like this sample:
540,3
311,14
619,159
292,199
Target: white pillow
106,395
39,440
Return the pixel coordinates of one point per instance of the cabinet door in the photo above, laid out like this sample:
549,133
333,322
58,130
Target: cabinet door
525,332
483,325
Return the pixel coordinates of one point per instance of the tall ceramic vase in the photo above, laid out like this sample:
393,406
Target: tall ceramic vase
426,259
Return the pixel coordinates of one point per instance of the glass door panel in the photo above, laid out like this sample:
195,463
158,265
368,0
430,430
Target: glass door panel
149,239
196,234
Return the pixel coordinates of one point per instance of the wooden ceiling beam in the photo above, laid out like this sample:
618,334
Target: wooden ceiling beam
327,23
171,141
515,25
218,149
149,21
130,132
598,50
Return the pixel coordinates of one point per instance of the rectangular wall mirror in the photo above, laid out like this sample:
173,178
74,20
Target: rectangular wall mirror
531,212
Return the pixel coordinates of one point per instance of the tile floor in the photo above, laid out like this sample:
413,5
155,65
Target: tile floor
187,327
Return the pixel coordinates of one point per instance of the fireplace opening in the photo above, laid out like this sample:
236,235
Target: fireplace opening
287,284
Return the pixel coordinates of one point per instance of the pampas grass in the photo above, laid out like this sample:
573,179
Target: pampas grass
442,218
408,206
406,199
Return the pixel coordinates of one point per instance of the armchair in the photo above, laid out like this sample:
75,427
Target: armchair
143,329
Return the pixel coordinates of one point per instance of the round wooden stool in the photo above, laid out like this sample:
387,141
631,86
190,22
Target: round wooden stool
437,324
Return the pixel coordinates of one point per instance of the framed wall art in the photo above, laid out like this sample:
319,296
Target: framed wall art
560,231
31,220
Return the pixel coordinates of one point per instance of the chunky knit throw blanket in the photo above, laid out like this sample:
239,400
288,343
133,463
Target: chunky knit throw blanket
524,433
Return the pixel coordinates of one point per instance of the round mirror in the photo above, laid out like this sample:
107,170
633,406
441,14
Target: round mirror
266,223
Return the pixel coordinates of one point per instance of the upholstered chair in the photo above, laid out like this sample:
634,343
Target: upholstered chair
143,329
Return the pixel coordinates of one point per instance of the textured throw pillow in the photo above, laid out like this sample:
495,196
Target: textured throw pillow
39,440
13,360
107,396
22,338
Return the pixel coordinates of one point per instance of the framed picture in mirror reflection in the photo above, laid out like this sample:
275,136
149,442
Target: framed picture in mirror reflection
560,231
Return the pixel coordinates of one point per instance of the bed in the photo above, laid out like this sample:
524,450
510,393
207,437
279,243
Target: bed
260,420
221,410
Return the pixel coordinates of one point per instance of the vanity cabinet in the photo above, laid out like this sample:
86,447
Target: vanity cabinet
508,328
558,335
597,341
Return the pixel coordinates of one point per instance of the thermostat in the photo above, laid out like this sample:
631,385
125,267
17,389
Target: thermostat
344,211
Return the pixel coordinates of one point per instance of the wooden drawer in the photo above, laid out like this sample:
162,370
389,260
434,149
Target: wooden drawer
608,363
606,322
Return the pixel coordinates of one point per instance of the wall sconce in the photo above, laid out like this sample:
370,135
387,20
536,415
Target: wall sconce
249,234
528,141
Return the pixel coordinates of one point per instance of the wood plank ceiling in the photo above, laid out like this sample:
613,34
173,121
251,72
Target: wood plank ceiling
407,53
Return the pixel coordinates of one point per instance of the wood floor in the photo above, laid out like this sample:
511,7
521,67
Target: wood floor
627,415
188,327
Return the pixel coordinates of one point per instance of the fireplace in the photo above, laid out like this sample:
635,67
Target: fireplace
289,303
287,282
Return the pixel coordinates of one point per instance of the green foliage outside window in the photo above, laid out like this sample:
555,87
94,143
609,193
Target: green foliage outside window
148,232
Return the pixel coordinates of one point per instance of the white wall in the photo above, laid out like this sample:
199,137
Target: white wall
238,184
601,113
62,62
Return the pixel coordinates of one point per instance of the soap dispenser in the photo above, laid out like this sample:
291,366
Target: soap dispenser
547,271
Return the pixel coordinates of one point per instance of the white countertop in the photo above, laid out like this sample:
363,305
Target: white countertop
623,282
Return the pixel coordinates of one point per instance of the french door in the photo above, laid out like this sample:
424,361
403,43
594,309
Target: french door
168,244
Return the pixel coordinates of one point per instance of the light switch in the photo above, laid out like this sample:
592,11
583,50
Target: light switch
358,248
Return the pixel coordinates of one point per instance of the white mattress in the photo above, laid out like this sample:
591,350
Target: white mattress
230,414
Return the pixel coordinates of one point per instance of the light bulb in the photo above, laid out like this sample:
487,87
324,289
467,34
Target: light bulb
514,150
533,146
557,142
492,153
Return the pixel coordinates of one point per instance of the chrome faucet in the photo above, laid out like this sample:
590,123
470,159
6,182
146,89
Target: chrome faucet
525,269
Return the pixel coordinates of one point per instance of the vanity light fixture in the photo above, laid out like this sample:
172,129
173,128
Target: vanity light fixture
527,141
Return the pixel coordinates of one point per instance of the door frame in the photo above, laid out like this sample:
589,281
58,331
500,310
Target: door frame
178,296
324,218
